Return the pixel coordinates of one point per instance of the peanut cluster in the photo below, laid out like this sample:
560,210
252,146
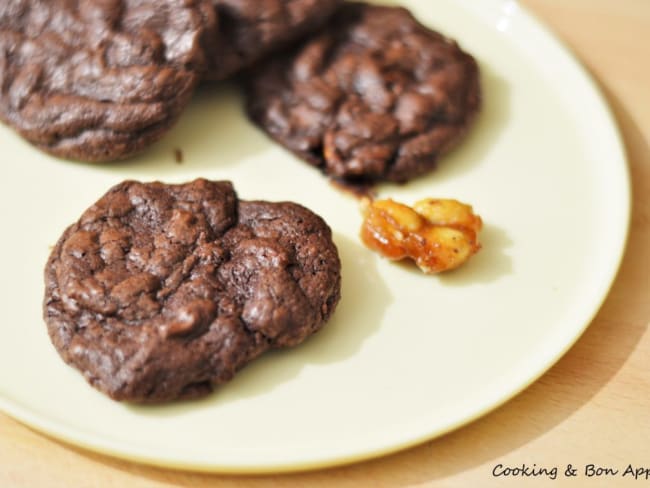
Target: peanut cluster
438,235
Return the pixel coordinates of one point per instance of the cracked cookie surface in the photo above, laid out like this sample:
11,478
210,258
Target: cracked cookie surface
250,29
373,96
161,292
98,80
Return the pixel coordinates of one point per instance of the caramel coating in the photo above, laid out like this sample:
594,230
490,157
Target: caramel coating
438,235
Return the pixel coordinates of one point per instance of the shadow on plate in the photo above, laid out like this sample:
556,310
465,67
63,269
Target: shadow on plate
212,133
358,316
489,264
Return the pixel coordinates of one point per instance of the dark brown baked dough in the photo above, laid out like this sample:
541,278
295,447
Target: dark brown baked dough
98,80
249,29
163,291
374,96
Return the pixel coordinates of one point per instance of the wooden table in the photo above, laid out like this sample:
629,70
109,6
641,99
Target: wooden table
593,407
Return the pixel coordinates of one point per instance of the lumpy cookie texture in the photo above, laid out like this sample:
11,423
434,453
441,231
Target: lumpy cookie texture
373,96
98,80
249,29
163,291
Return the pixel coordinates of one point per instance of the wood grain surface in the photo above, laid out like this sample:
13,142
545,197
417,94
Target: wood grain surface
591,408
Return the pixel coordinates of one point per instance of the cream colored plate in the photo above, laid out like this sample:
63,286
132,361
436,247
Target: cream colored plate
406,357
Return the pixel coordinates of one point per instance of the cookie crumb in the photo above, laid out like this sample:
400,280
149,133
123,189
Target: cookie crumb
358,189
178,156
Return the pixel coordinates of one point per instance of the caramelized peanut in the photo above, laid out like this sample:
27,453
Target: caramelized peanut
437,234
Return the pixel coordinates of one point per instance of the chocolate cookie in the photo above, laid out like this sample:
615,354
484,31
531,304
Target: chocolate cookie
374,96
98,80
163,291
249,29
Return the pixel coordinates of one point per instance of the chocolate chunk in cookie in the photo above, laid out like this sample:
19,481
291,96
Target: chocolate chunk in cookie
374,96
98,80
250,29
164,291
